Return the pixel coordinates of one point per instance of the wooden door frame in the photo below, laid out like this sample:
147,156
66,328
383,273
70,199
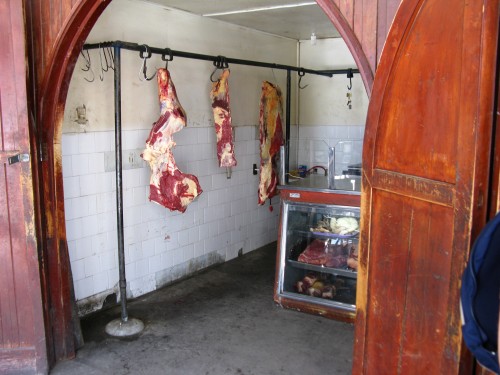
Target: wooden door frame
51,98
56,275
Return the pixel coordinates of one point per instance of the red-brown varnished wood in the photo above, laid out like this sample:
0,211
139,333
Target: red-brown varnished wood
367,32
486,102
346,7
494,202
425,156
22,336
436,81
327,312
494,196
319,197
407,301
489,206
364,25
60,28
386,12
346,31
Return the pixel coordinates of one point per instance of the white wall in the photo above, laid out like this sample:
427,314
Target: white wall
161,246
323,102
323,116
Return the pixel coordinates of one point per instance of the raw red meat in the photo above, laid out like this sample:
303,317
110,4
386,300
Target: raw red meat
352,263
322,253
338,261
314,253
222,120
271,138
168,186
352,260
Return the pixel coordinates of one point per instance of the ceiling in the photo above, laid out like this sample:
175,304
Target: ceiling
295,19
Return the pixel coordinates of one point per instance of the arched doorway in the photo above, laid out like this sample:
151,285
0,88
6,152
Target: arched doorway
54,88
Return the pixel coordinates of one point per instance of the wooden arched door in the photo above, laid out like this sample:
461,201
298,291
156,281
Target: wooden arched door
426,164
58,29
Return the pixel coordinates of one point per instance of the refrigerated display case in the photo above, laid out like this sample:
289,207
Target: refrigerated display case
317,252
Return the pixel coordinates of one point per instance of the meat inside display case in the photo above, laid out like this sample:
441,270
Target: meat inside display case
319,254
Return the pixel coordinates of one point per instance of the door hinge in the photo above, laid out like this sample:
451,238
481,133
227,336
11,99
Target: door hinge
23,158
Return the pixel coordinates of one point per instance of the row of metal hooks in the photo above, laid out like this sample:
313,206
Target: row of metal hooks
301,74
107,59
106,62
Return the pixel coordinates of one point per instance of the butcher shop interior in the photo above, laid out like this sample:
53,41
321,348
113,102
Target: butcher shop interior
234,240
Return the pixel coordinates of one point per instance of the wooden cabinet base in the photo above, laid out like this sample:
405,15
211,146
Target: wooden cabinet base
330,312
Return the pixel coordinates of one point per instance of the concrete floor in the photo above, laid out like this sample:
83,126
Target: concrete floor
220,321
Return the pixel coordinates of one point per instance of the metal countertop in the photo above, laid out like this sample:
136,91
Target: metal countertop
319,183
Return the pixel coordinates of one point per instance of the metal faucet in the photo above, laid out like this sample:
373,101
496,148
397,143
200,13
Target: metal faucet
331,168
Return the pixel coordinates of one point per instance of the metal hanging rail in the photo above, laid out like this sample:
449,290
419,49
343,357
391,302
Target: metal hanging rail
148,50
143,48
190,55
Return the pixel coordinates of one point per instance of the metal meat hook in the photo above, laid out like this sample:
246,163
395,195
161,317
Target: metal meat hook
144,69
88,66
350,74
101,73
220,62
301,74
167,59
111,63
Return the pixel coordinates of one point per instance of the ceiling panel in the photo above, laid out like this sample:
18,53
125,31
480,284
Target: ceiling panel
290,22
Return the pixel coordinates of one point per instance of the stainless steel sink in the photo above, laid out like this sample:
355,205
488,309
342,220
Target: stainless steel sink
318,182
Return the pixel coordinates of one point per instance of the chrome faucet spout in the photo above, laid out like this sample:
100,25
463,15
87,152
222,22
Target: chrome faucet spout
331,168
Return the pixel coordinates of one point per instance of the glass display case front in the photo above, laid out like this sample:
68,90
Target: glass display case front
319,254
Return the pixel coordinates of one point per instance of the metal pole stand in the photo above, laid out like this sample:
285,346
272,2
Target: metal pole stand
119,328
123,327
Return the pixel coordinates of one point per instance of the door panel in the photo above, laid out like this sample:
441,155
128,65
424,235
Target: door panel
426,150
407,305
430,68
22,337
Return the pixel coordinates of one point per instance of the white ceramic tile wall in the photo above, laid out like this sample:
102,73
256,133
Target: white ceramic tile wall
309,145
223,220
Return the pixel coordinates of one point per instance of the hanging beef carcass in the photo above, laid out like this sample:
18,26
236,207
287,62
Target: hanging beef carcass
222,120
271,138
168,185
